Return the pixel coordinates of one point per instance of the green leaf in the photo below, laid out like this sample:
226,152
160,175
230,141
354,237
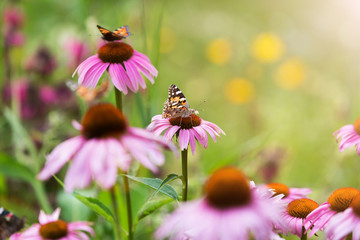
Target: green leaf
155,183
169,178
11,168
151,206
93,203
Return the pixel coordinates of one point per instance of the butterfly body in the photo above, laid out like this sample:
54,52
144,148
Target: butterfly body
118,34
176,105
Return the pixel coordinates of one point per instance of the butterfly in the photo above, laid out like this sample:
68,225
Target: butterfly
87,94
176,105
117,34
9,223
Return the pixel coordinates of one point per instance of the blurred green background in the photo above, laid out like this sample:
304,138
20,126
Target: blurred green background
278,77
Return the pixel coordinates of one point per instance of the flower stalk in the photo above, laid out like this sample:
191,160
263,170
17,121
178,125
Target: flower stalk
117,230
184,163
304,234
128,207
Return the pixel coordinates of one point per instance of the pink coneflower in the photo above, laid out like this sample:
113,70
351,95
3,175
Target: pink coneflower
295,215
290,194
50,227
350,136
188,129
106,143
344,224
229,210
338,202
123,63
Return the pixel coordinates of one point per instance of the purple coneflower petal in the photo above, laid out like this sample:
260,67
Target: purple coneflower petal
117,79
132,76
170,132
79,174
192,142
152,70
135,73
86,64
145,72
184,139
59,156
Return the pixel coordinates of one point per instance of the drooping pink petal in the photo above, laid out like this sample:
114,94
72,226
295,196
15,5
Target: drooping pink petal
79,174
117,79
131,64
59,156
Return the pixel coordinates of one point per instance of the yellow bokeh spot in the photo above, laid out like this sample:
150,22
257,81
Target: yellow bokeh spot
290,74
239,91
219,51
267,47
167,40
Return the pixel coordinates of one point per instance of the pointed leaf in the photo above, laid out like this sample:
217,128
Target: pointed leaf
169,178
155,183
151,206
93,203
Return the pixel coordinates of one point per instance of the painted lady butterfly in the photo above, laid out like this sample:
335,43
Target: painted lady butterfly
176,105
117,34
9,223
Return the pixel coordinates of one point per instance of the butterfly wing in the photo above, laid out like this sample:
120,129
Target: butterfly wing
176,105
122,31
109,35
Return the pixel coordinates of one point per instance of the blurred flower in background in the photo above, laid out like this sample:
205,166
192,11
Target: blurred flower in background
42,63
13,20
290,74
77,51
239,91
267,48
219,51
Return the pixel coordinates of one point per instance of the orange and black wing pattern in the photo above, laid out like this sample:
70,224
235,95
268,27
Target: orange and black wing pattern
117,34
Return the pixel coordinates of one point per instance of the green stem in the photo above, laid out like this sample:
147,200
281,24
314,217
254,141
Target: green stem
128,204
118,99
184,164
304,234
41,196
117,230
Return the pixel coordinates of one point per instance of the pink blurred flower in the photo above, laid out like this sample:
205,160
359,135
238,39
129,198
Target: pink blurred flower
50,227
290,194
188,129
230,210
13,18
123,63
106,143
295,214
338,202
14,39
76,51
343,224
350,136
48,95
